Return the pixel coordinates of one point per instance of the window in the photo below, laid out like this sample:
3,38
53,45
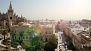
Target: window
46,32
50,33
46,40
10,17
15,37
19,38
26,37
90,33
6,23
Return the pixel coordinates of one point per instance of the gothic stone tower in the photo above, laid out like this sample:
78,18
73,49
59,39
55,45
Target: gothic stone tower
11,18
10,14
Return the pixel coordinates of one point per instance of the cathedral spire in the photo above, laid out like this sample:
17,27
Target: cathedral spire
10,6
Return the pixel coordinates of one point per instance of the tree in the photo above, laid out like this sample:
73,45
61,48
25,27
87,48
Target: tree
21,35
4,33
69,43
51,45
13,35
35,40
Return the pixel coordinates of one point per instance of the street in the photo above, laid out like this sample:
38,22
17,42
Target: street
61,40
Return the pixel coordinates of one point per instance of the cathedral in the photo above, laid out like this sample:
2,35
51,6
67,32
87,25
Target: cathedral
9,19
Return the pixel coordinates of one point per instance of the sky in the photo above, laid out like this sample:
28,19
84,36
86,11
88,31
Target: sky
50,9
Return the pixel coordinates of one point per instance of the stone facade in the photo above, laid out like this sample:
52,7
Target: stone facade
46,28
10,18
49,30
80,37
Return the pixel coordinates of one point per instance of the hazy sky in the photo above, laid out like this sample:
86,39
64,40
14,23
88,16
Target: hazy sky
51,9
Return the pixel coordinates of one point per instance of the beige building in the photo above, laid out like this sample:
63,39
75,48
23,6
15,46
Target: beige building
46,28
21,27
86,42
49,30
79,39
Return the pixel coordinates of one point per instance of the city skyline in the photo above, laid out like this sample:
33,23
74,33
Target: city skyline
50,9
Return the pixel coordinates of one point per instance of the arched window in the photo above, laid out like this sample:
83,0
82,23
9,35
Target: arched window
46,40
6,23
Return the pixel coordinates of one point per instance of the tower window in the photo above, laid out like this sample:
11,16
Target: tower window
90,33
10,17
46,40
6,23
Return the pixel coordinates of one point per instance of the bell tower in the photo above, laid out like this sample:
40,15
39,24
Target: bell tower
10,16
10,10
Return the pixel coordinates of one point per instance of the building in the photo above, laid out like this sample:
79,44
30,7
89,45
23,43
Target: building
46,28
49,30
80,37
85,23
86,42
9,18
19,31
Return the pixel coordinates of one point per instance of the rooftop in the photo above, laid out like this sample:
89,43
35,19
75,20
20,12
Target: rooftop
48,26
77,29
87,36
